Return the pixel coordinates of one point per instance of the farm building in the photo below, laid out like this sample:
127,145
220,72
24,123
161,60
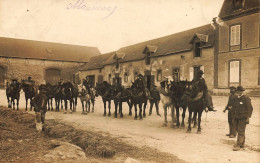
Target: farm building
43,61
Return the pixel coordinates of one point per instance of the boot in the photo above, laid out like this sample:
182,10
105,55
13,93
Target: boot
211,108
236,147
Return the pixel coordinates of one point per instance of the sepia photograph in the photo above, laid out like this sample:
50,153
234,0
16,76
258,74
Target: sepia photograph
130,81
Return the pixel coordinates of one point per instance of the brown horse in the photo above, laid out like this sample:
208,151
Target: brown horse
13,93
30,90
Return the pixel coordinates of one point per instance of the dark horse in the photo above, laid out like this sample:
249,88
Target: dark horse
139,97
50,94
120,95
105,91
40,106
12,93
29,92
68,94
178,89
193,98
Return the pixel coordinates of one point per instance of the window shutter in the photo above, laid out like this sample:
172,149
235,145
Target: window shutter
235,35
191,73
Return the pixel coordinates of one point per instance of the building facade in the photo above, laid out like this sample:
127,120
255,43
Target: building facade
43,61
226,50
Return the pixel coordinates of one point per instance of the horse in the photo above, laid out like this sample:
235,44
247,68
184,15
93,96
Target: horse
57,94
87,97
120,95
67,94
13,93
105,91
139,97
40,106
50,95
193,97
167,100
29,92
179,88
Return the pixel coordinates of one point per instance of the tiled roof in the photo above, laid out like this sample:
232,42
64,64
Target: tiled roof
18,48
161,46
229,10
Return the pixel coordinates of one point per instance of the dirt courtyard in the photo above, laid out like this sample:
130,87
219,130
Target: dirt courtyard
210,146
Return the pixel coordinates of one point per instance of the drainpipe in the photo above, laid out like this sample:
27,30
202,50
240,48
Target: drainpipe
216,51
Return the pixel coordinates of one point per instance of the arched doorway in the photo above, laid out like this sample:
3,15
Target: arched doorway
53,76
2,76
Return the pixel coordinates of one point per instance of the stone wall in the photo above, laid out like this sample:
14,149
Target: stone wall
22,68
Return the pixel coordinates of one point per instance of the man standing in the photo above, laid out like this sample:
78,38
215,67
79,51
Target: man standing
87,85
156,99
243,111
231,112
200,81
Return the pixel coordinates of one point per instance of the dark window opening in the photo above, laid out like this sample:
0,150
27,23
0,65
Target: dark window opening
197,50
176,74
148,59
159,75
117,64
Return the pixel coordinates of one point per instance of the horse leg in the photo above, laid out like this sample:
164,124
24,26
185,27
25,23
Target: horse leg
195,119
140,111
76,102
66,105
199,122
17,104
165,115
104,102
93,103
144,114
189,121
13,104
82,103
116,105
130,107
9,102
151,107
48,103
109,107
135,105
71,104
89,105
177,116
61,105
173,116
120,109
26,102
51,105
183,117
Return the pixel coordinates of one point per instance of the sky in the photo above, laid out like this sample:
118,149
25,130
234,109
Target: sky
106,24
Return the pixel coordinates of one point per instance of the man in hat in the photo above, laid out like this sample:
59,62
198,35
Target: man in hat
140,78
231,112
243,111
156,99
86,83
200,81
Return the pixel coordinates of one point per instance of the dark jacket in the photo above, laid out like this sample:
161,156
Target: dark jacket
231,102
243,107
155,94
201,84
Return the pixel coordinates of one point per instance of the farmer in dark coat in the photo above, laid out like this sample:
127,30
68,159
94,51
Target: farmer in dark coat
231,112
200,81
156,99
243,111
86,83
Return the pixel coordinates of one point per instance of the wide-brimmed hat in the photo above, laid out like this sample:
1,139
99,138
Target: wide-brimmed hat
240,88
200,72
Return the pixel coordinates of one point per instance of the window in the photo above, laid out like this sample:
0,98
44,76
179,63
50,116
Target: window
100,70
194,70
197,49
176,74
126,77
148,59
234,72
117,63
159,75
235,35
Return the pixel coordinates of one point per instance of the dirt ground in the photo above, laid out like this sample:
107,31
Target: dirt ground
172,144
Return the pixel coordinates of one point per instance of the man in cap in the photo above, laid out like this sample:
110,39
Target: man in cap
243,111
86,83
140,78
156,99
231,112
200,81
